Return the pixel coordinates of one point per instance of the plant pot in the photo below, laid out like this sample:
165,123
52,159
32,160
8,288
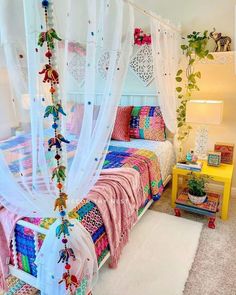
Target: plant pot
197,200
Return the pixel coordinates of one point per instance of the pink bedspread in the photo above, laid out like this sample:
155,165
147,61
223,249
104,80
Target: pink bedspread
7,225
118,194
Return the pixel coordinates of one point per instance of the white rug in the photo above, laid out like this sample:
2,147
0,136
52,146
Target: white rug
156,260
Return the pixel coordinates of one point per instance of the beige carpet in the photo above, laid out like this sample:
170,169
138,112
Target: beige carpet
214,268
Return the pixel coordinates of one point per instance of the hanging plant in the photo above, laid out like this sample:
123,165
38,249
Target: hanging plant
194,50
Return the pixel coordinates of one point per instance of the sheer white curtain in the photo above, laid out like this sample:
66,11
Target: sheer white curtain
88,30
165,48
97,117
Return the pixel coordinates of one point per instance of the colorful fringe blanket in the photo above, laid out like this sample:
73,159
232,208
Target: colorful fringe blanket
118,194
144,161
87,212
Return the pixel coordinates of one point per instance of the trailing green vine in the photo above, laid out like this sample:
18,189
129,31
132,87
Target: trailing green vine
194,50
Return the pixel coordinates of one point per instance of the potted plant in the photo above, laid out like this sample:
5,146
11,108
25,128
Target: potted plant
197,188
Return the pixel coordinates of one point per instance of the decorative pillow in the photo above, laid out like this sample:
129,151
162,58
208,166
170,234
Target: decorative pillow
147,123
76,114
121,129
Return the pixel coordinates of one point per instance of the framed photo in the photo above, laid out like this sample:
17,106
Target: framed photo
214,159
227,152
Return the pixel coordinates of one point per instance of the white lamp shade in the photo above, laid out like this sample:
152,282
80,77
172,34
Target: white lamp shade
204,111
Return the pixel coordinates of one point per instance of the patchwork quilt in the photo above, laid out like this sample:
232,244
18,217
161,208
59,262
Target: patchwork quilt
144,161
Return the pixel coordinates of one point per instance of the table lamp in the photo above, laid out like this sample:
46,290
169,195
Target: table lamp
203,112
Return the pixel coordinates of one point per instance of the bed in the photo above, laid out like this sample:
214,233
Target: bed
30,232
163,149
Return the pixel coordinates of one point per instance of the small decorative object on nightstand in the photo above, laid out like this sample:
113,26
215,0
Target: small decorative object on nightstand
227,152
191,157
214,159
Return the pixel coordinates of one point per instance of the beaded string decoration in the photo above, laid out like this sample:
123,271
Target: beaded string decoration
55,110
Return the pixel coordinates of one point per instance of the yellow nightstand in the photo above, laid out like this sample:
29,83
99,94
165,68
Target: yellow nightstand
222,174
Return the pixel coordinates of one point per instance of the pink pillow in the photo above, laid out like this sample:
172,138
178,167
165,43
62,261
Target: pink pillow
76,119
122,124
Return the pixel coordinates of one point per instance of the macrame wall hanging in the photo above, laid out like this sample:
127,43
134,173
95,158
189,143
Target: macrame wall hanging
55,110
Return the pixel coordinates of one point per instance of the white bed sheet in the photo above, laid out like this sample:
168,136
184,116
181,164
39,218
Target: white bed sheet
163,149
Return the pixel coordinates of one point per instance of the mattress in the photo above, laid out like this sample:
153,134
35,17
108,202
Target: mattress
163,149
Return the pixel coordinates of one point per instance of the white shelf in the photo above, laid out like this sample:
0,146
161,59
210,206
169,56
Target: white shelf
220,58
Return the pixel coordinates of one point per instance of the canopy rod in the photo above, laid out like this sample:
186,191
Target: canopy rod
144,11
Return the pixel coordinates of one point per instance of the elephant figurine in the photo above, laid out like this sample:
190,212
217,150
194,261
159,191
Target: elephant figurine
61,201
54,110
59,173
65,254
50,75
63,229
56,141
70,280
223,43
48,37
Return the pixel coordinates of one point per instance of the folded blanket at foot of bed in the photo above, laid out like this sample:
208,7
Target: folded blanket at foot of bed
118,195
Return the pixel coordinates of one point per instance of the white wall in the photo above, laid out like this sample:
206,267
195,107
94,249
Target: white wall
194,15
7,117
219,82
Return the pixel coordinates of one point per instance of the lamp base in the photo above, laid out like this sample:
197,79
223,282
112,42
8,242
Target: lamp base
201,143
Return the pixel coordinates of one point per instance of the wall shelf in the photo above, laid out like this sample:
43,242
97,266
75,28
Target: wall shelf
227,57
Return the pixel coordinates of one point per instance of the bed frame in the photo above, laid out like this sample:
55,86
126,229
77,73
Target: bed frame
28,278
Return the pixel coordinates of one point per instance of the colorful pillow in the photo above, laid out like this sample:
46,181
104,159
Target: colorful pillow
75,118
147,123
76,114
121,129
